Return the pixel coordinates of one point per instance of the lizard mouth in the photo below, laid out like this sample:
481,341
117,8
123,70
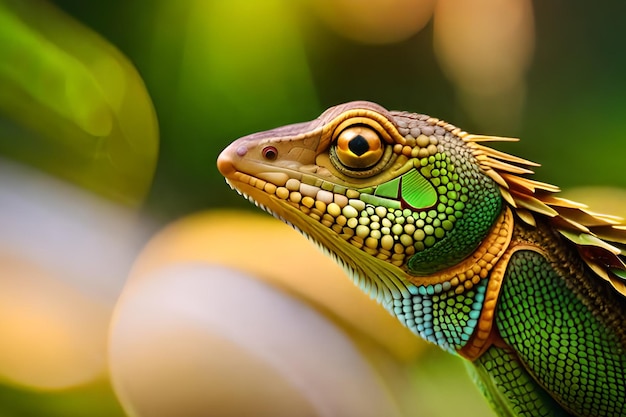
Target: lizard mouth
384,289
257,197
280,202
266,195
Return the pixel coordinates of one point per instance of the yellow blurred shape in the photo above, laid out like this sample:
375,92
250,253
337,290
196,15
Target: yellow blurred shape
52,334
375,21
74,105
606,200
270,250
485,48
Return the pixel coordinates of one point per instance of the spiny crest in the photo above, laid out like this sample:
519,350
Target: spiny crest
599,238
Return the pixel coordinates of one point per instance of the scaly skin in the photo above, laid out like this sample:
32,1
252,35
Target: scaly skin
451,238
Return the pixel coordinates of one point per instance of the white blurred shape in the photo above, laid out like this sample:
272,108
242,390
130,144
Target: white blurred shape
195,339
485,48
60,227
64,256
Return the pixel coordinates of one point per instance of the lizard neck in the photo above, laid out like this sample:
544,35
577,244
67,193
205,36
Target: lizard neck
445,308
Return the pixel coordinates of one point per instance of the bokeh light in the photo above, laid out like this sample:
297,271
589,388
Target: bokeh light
375,21
64,255
54,335
485,48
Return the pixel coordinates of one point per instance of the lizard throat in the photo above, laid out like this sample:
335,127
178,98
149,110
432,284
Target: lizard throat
422,303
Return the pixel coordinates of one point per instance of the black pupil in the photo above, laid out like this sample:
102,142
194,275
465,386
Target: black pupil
358,145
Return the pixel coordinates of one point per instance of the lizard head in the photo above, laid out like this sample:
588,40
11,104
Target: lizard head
417,211
392,196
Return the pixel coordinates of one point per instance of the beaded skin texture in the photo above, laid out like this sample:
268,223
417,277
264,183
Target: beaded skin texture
560,339
454,239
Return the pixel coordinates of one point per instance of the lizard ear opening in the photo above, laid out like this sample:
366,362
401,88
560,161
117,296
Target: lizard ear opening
359,151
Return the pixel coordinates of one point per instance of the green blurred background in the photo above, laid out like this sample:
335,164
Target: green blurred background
216,70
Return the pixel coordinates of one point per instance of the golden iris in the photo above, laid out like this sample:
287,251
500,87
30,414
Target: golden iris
359,147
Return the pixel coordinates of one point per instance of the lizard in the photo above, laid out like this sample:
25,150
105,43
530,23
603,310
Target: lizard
458,242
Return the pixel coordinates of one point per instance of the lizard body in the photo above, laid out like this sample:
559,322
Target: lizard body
452,238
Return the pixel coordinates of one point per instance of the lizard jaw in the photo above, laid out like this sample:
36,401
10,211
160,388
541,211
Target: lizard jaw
380,280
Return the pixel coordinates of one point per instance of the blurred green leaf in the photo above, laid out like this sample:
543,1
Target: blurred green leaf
72,105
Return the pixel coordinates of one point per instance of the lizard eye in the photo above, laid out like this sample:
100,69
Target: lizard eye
270,153
359,151
358,147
